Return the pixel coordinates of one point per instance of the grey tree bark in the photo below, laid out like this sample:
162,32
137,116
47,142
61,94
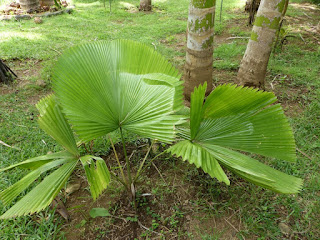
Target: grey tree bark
254,64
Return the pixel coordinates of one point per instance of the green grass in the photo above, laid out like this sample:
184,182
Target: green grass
19,129
90,22
304,69
227,56
294,72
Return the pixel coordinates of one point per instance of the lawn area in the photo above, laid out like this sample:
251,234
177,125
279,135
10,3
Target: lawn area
176,200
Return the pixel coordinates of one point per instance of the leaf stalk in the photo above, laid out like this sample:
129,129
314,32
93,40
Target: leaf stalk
120,167
126,157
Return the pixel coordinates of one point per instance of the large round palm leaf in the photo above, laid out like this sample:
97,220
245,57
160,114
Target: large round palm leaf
106,85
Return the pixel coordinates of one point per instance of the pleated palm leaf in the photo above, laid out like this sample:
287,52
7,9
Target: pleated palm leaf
105,86
53,122
236,118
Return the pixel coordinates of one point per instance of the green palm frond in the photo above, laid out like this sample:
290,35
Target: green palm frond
254,171
167,80
103,86
266,132
200,157
242,119
8,195
230,100
53,122
192,152
43,194
97,173
196,111
34,163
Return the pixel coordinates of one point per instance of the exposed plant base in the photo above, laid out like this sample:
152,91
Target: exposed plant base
169,206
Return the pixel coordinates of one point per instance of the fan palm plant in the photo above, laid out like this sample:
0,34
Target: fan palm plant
104,87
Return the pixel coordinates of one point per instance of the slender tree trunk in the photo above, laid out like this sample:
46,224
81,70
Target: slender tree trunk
254,64
252,7
145,5
199,56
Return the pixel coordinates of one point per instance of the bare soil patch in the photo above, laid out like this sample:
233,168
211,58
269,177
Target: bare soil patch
168,206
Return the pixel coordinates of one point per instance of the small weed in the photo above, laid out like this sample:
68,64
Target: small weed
132,219
81,224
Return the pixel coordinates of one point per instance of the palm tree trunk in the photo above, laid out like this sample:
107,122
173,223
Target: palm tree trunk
254,64
145,5
29,4
46,3
198,67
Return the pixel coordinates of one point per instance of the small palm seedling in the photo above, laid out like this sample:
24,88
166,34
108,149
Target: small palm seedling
103,87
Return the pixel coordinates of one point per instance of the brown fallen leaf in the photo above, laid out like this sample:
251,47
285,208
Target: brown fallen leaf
284,228
73,187
60,208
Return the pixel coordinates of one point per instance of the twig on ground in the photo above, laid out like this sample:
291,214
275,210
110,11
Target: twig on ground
234,228
273,80
23,126
159,173
132,154
215,223
230,38
302,38
307,15
231,225
305,231
304,154
55,50
148,229
155,47
234,212
7,145
120,218
124,237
